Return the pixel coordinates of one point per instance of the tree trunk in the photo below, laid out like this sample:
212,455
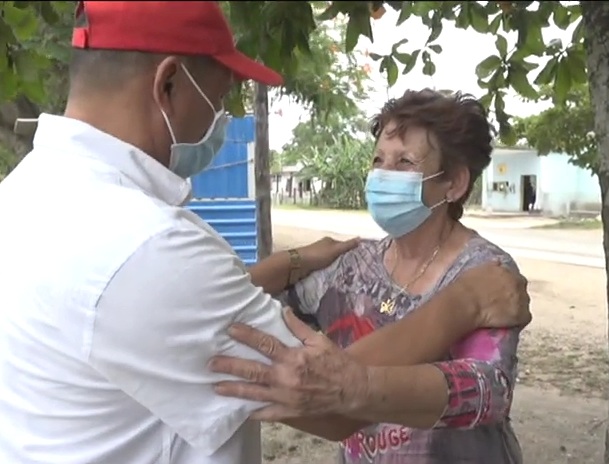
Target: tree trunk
596,18
262,169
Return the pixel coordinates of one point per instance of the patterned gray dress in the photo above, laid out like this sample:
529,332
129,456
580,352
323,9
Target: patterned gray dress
343,300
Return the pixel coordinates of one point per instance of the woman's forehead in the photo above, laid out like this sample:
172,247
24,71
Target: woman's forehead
416,141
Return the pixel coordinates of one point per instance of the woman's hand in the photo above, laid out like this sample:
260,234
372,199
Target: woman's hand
315,379
500,294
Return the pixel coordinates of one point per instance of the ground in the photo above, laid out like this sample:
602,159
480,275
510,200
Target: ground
559,412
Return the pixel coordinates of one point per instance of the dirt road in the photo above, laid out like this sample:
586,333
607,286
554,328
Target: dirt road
559,410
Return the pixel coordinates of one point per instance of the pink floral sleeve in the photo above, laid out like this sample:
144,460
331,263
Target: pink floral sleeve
481,377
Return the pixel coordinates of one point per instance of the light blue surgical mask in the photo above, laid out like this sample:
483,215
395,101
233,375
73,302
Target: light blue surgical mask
395,200
189,159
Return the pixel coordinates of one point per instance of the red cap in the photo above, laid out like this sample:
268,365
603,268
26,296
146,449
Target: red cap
196,28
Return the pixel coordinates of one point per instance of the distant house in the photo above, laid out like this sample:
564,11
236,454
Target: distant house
288,185
518,180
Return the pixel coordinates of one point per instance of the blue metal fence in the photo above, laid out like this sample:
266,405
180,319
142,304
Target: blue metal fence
224,194
235,221
229,175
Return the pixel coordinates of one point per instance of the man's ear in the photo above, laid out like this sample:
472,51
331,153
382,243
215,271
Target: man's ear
163,84
459,179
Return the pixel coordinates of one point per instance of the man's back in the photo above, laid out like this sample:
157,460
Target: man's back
68,224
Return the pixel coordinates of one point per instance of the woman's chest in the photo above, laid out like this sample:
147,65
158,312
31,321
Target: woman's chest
352,308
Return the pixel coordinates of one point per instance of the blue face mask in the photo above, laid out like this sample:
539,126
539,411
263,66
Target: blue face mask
395,200
189,159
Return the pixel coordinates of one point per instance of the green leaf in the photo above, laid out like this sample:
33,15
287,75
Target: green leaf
499,103
548,73
429,68
422,9
34,90
578,33
409,66
534,39
403,58
562,17
488,66
486,100
501,44
436,30
517,78
48,13
375,56
563,81
462,21
527,65
405,12
392,71
436,48
397,45
27,65
478,17
493,27
577,65
359,24
9,87
331,12
24,23
352,35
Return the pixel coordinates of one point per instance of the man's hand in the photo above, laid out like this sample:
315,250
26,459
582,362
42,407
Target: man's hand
316,379
500,293
322,253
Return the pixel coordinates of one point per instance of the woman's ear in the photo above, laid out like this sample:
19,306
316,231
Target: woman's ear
459,179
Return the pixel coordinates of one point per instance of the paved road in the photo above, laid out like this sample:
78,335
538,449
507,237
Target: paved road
581,247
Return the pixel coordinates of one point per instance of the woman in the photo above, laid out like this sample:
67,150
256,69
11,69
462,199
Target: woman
430,149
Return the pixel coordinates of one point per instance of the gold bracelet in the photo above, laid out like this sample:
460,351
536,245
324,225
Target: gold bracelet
295,266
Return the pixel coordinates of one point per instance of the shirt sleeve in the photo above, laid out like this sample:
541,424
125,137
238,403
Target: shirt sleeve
305,296
481,374
162,317
480,379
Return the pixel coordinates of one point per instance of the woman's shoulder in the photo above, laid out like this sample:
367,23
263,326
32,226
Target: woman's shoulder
480,250
364,257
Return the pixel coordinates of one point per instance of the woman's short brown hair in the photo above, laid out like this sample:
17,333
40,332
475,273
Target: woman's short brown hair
459,123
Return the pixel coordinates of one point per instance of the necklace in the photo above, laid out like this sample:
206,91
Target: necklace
388,306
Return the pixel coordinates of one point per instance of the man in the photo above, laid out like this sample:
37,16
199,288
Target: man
115,298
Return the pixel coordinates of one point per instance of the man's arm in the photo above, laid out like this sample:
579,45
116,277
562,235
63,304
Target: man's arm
161,318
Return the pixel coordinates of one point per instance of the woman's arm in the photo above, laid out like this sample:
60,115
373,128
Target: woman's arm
424,336
430,331
475,389
274,273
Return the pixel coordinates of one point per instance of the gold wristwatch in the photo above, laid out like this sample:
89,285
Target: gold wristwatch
295,272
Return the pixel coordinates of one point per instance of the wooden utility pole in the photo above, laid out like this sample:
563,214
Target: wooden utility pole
262,171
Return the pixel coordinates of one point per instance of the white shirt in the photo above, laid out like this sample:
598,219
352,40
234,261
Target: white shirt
113,299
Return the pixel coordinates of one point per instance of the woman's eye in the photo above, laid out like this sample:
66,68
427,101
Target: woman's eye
376,160
406,161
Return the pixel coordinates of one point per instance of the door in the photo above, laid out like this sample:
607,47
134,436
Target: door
528,192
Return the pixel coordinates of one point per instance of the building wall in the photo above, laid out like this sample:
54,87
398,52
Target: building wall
561,190
567,189
508,166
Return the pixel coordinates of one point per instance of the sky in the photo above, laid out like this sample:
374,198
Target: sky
455,70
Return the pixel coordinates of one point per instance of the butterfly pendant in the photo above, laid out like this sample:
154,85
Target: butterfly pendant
387,307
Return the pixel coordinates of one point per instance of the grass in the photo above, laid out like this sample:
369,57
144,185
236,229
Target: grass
573,224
